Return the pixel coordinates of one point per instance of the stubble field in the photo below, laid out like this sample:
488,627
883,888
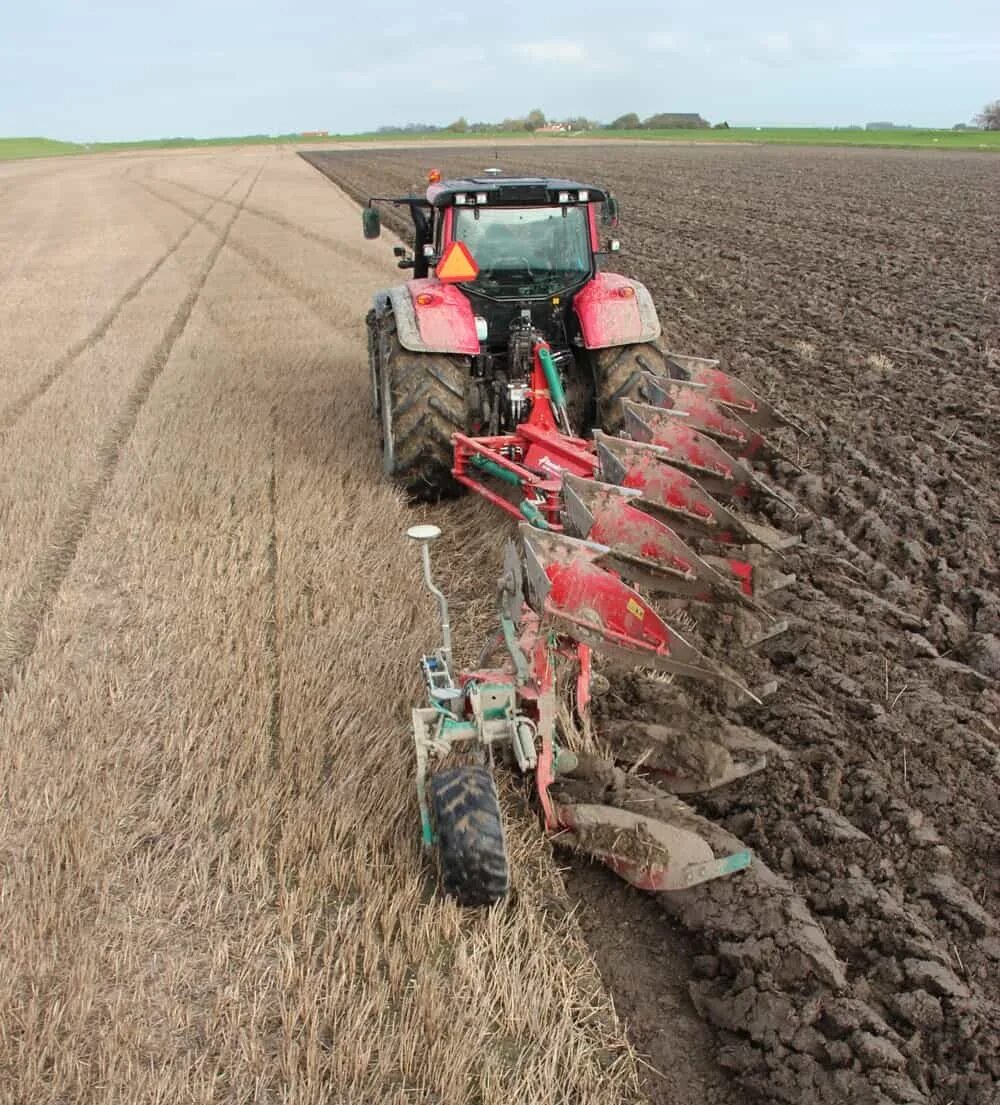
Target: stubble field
211,881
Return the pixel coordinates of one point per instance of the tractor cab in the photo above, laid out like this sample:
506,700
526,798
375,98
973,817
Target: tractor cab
500,264
527,237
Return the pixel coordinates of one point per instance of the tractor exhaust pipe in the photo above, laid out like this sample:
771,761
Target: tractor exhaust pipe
424,535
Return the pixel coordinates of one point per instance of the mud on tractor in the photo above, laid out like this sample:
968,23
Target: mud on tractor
512,364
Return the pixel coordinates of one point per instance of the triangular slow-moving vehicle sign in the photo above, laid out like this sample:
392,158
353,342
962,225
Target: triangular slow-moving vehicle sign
457,265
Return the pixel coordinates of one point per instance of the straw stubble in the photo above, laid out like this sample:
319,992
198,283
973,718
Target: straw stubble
213,889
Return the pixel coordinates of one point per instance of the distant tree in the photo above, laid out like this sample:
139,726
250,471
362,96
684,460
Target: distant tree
626,122
460,126
989,117
674,120
513,124
534,120
721,126
579,122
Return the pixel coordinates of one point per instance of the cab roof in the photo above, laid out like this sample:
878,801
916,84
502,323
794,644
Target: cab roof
513,191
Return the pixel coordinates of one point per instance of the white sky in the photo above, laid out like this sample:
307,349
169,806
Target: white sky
103,70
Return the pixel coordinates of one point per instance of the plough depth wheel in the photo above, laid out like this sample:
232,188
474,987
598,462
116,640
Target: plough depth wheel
472,851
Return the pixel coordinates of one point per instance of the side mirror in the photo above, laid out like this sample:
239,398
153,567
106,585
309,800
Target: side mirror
609,213
371,222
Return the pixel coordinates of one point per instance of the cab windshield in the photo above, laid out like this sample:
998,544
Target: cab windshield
525,250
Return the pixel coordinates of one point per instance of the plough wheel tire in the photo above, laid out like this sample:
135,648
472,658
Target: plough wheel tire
619,377
472,852
422,400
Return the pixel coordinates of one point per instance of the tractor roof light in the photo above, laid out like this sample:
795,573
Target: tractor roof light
434,176
564,197
481,197
460,199
583,196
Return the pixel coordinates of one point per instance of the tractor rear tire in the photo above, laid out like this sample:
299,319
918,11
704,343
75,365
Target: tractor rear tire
619,372
422,401
472,851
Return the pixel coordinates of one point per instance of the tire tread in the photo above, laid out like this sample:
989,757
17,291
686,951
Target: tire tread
472,850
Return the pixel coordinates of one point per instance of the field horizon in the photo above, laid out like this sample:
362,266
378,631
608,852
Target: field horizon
18,148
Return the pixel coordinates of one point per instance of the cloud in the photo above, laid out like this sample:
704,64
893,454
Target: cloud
950,47
668,41
776,42
563,51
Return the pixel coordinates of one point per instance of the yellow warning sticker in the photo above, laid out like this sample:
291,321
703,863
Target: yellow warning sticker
636,609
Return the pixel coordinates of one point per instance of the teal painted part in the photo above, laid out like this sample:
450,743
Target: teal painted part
556,392
498,713
484,464
426,832
533,514
738,861
458,730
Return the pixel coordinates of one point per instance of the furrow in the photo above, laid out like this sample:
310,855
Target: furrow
20,635
15,410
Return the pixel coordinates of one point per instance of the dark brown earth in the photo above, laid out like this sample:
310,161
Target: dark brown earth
862,289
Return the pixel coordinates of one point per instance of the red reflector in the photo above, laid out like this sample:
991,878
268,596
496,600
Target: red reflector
627,291
457,265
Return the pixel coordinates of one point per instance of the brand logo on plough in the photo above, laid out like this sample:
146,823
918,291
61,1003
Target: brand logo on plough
635,609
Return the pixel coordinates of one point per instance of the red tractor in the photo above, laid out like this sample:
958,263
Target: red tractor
524,373
516,261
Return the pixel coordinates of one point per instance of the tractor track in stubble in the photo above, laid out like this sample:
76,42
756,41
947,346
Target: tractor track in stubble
16,410
28,614
341,248
272,629
325,306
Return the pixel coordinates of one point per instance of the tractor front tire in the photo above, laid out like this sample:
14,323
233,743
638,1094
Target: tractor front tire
472,851
422,401
618,371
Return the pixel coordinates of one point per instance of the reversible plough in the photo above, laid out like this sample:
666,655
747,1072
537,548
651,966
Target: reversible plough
594,514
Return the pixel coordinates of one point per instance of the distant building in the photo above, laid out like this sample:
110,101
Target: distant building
552,128
888,126
314,134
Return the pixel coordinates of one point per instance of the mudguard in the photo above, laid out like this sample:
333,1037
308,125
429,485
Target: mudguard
614,310
443,324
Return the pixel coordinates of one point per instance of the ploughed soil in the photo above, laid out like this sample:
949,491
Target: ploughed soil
859,959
